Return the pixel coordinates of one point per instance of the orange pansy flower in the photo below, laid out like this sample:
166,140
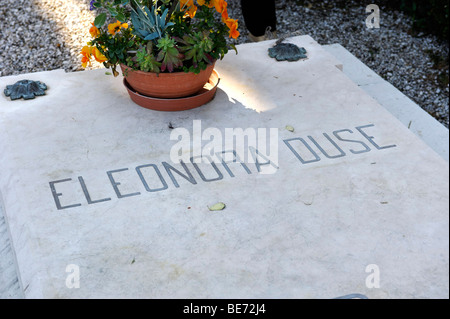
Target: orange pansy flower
191,7
113,28
86,56
203,3
94,31
87,52
233,25
220,5
224,15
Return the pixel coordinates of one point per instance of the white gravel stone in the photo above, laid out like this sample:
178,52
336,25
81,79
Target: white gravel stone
41,35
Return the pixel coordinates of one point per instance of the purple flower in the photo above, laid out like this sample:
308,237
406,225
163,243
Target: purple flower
92,5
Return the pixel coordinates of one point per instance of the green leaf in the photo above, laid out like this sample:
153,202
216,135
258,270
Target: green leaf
289,128
217,207
121,17
100,20
112,11
234,47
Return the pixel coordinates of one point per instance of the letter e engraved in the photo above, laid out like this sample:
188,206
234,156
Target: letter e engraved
56,195
73,279
373,20
373,280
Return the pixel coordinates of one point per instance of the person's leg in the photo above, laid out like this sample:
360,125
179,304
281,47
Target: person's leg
259,15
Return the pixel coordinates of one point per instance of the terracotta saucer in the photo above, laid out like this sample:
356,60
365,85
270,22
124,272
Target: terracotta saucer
177,104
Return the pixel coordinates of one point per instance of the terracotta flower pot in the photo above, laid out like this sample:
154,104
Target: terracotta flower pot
166,85
200,98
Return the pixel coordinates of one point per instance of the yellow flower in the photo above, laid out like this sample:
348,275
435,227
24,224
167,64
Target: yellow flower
98,56
113,28
94,31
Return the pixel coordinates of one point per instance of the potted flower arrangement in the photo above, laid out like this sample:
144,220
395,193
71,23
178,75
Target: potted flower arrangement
160,40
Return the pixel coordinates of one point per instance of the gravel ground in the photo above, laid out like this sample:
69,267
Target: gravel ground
41,35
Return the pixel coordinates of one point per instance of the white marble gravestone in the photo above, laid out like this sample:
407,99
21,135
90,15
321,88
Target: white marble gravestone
353,203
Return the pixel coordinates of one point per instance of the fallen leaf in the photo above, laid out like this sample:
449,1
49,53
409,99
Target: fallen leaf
289,128
217,207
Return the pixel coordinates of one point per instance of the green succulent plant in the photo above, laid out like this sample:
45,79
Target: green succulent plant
169,55
196,47
146,60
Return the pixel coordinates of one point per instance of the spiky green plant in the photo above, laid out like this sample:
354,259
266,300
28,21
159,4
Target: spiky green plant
148,23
